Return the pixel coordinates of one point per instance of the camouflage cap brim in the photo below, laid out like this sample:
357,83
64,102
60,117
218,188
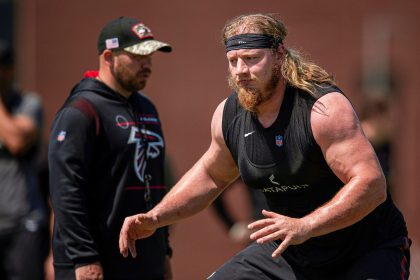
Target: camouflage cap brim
148,47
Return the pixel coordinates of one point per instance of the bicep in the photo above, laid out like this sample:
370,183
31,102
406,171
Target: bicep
338,132
218,160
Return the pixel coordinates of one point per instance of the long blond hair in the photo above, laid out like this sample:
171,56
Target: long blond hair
295,69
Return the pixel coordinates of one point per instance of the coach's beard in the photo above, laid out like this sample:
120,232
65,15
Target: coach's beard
250,98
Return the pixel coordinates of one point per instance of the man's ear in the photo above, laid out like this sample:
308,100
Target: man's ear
107,56
281,52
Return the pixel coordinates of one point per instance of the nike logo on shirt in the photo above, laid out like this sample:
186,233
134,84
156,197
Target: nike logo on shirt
249,133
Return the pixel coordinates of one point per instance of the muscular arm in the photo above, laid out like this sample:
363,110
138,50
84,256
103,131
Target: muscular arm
202,183
196,190
350,156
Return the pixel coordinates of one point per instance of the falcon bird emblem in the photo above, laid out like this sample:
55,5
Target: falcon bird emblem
145,150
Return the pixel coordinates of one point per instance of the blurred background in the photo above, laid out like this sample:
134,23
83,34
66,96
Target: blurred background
371,48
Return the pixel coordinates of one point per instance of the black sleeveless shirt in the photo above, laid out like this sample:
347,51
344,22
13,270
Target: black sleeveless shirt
287,165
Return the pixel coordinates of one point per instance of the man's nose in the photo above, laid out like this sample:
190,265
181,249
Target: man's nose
240,67
146,62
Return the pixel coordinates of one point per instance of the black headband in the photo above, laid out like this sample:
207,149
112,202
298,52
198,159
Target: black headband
250,41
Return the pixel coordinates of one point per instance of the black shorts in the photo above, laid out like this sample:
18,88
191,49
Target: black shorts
388,262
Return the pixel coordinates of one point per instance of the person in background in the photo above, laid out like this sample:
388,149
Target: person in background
106,161
237,229
289,131
378,121
24,237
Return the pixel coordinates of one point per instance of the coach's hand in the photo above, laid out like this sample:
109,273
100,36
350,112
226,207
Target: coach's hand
135,227
90,272
275,226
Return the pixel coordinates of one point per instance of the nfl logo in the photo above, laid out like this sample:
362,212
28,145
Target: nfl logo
279,140
61,136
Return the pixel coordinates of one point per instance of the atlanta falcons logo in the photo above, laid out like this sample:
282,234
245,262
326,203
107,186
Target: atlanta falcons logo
154,144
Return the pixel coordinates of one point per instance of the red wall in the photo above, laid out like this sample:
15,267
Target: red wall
57,43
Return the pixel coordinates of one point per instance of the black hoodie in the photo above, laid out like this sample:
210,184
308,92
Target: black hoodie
103,151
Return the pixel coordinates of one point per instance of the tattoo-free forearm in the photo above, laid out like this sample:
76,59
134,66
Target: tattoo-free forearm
193,193
352,203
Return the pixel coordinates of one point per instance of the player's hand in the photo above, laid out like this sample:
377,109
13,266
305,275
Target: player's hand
135,227
90,272
275,226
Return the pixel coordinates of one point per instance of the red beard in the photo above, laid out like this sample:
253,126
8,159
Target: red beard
251,97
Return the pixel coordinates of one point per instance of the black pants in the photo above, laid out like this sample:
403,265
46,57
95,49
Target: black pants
255,262
23,253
